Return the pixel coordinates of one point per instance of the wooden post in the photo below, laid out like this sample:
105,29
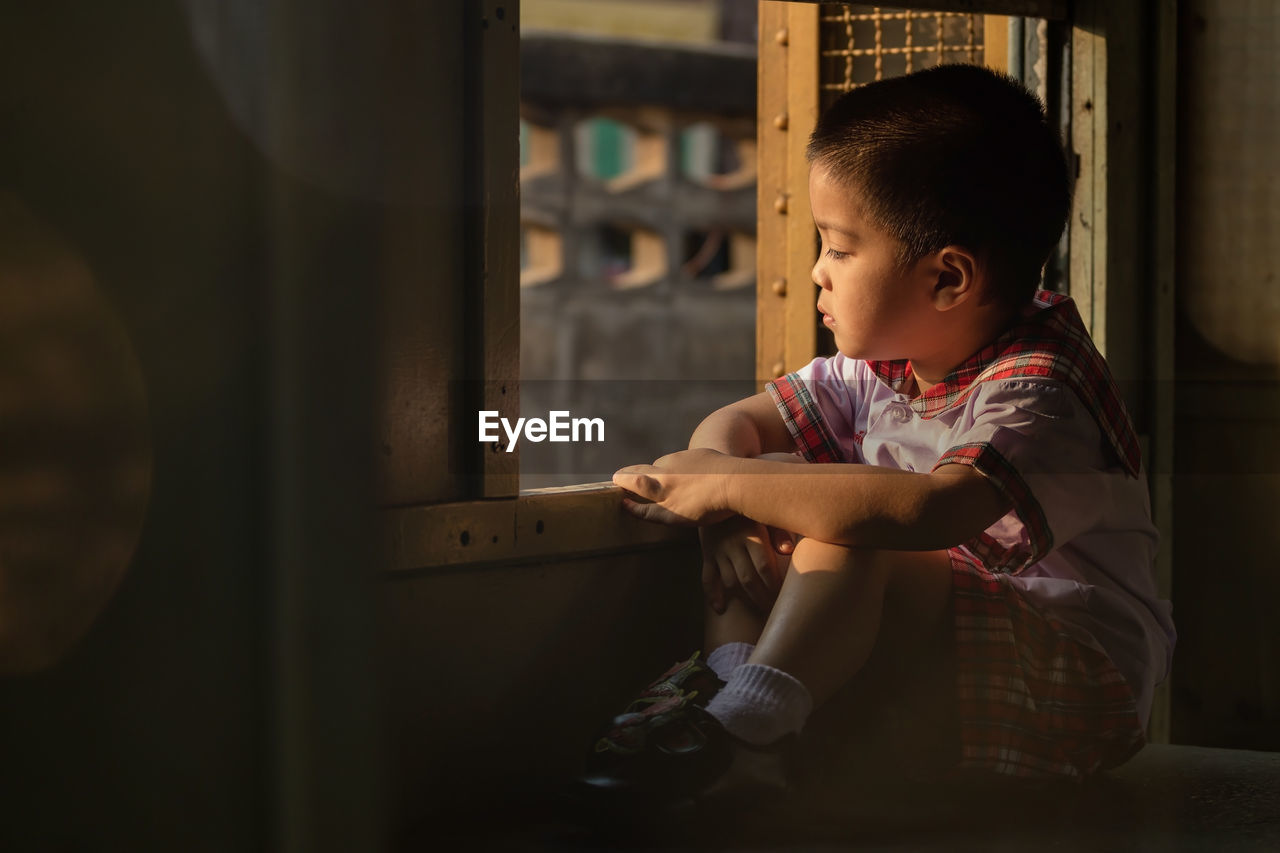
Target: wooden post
493,241
772,131
995,42
1121,230
1164,139
786,327
802,115
1088,224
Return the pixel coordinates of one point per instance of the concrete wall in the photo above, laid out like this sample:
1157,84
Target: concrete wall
648,321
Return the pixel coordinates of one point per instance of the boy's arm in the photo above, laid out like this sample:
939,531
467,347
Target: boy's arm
740,553
845,504
747,428
870,506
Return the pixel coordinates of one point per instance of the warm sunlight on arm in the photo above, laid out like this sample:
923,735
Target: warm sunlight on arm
868,506
748,427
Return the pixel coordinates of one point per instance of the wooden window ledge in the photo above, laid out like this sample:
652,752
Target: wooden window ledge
538,525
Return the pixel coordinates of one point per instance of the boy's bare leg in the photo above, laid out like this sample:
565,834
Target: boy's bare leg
741,622
833,602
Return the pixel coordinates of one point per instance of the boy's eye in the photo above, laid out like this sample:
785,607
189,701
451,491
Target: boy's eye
835,256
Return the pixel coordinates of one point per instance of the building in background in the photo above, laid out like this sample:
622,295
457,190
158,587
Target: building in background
637,223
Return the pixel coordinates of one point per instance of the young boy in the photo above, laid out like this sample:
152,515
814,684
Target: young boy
970,464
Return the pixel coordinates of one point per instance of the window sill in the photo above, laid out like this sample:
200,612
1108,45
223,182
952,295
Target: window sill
538,525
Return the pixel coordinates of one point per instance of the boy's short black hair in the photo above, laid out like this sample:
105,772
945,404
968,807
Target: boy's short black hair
953,155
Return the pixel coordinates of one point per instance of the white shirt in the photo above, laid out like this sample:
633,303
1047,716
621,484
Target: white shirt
1079,543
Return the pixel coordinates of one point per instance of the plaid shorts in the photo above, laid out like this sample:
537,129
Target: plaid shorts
1032,701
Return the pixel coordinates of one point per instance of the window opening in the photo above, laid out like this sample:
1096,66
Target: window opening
541,254
638,158
605,148
718,158
706,254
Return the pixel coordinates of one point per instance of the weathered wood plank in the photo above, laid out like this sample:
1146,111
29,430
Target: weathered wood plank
551,525
1088,210
1121,305
771,186
802,116
495,245
995,42
1162,307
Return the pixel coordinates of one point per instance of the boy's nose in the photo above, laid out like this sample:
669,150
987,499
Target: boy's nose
819,275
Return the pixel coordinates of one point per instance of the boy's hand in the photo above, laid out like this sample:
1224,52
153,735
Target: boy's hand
685,488
739,553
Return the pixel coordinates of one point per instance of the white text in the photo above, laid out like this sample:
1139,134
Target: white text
559,426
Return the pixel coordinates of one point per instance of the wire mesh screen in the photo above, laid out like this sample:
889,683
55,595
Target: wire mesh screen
861,44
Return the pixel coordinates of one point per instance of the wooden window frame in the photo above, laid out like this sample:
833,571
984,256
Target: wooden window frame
496,524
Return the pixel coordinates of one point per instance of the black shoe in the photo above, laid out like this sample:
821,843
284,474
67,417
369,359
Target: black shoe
688,767
686,683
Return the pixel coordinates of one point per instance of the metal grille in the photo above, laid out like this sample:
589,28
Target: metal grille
861,44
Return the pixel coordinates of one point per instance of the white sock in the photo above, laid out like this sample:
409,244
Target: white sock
723,660
761,704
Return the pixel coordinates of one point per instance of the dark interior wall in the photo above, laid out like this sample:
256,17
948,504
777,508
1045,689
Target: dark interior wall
240,191
265,202
495,678
115,145
1226,678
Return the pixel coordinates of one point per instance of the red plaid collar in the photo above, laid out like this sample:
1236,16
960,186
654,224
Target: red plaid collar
1049,340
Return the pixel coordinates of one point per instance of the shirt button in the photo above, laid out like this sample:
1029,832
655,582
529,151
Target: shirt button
901,415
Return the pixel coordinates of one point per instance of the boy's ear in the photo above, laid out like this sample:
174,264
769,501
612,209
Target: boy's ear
957,271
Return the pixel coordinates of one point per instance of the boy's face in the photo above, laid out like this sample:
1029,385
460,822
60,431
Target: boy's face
875,309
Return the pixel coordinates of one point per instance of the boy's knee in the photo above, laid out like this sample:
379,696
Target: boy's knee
811,554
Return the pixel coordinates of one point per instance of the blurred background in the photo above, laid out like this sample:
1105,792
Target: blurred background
638,222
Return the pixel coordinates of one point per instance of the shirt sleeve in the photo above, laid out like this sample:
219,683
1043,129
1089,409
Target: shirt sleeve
1042,449
818,403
